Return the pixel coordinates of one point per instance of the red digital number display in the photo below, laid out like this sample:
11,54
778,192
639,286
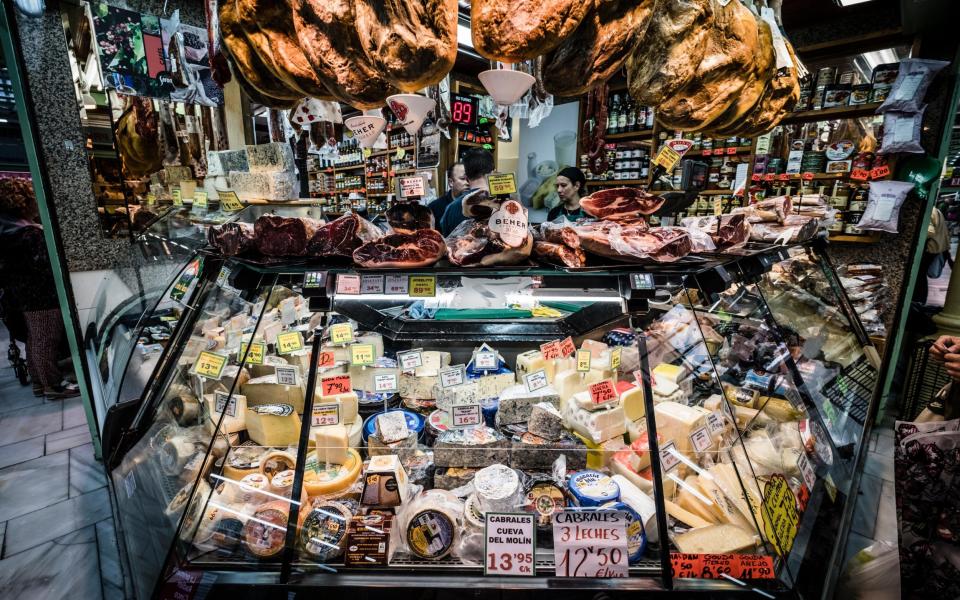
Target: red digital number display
463,111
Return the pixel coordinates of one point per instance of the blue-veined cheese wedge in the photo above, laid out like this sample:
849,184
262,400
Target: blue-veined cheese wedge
636,535
592,488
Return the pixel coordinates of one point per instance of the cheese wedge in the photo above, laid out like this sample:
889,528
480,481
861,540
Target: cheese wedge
332,442
691,498
266,390
631,398
675,422
273,425
715,539
349,404
235,418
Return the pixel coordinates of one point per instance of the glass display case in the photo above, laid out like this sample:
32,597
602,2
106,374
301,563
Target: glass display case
659,427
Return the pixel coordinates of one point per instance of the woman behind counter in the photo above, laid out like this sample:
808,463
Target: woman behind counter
570,187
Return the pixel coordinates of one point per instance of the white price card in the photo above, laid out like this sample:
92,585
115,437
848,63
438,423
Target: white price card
809,477
590,543
509,540
327,413
700,439
348,284
486,360
287,375
536,380
410,360
371,284
452,376
716,423
397,284
465,415
224,403
668,457
385,383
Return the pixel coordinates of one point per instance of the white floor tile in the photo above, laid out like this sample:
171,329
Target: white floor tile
26,423
68,438
12,454
33,485
56,521
86,472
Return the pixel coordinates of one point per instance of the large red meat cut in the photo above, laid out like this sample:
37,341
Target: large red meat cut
620,204
480,205
734,229
342,236
515,30
559,254
284,236
633,242
402,250
407,217
473,244
560,233
231,239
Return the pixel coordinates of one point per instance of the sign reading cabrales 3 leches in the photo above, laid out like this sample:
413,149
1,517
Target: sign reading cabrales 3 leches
590,543
509,544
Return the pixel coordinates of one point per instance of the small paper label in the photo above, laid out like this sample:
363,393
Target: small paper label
229,202
860,174
536,380
210,365
397,284
602,391
151,198
177,196
511,223
423,286
341,333
907,86
638,378
486,360
880,172
452,376
550,350
254,351
224,403
371,284
335,384
287,375
199,199
327,359
615,357
326,414
701,440
717,206
667,157
809,476
583,360
385,383
361,354
716,423
410,360
502,184
348,284
289,341
465,415
412,187
668,457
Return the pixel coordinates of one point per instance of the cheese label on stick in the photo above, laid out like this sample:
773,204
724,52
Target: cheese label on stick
615,357
551,350
385,383
341,333
410,360
567,347
288,342
668,459
229,201
423,286
536,380
225,403
452,376
583,361
327,359
210,365
701,440
255,352
287,375
602,392
361,354
348,284
326,414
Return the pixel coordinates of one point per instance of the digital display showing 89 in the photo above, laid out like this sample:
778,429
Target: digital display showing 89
463,110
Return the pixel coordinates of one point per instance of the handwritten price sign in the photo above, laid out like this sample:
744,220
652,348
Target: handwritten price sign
602,391
423,286
590,543
336,384
714,566
567,347
550,350
341,333
509,544
327,359
255,354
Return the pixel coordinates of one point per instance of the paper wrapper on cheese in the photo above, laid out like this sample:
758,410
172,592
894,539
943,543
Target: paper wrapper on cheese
597,426
266,390
642,503
384,482
429,524
715,539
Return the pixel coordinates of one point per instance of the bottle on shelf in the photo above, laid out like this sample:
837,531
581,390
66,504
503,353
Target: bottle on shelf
613,116
625,108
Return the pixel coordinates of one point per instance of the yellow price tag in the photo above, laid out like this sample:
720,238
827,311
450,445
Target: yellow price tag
255,354
583,360
367,152
341,333
502,184
667,158
151,198
199,199
615,356
288,342
361,354
401,152
229,202
780,517
177,196
718,206
423,286
210,364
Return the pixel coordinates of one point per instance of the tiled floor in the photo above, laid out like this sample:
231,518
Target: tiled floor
57,536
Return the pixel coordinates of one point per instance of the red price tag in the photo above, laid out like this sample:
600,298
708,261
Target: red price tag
550,350
731,150
807,176
337,384
756,177
602,391
860,174
783,177
567,347
803,496
714,566
880,172
326,359
707,152
769,177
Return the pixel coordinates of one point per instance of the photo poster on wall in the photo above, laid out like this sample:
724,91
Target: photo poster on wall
544,151
135,58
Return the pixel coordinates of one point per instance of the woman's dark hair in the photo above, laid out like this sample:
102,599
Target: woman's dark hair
575,175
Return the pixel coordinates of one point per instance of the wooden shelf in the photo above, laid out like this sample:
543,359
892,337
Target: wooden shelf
401,171
616,182
715,193
351,167
629,134
477,144
395,148
828,114
740,150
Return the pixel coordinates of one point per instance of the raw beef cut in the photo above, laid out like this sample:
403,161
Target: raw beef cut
342,236
402,250
560,233
734,229
795,228
620,204
268,25
412,43
732,46
231,239
480,205
516,30
559,254
598,48
407,217
472,244
284,236
329,38
634,241
667,56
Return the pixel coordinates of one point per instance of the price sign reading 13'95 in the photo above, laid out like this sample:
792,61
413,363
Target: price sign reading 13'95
590,543
509,544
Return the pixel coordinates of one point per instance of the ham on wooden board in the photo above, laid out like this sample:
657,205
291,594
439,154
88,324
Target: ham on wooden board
473,244
284,236
231,239
418,249
620,204
342,236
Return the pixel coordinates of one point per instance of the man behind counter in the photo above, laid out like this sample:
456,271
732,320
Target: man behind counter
477,164
456,184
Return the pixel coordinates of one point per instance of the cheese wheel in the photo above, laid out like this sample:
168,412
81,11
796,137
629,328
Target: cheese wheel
251,486
332,479
242,461
592,488
498,488
265,534
282,482
275,461
323,534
